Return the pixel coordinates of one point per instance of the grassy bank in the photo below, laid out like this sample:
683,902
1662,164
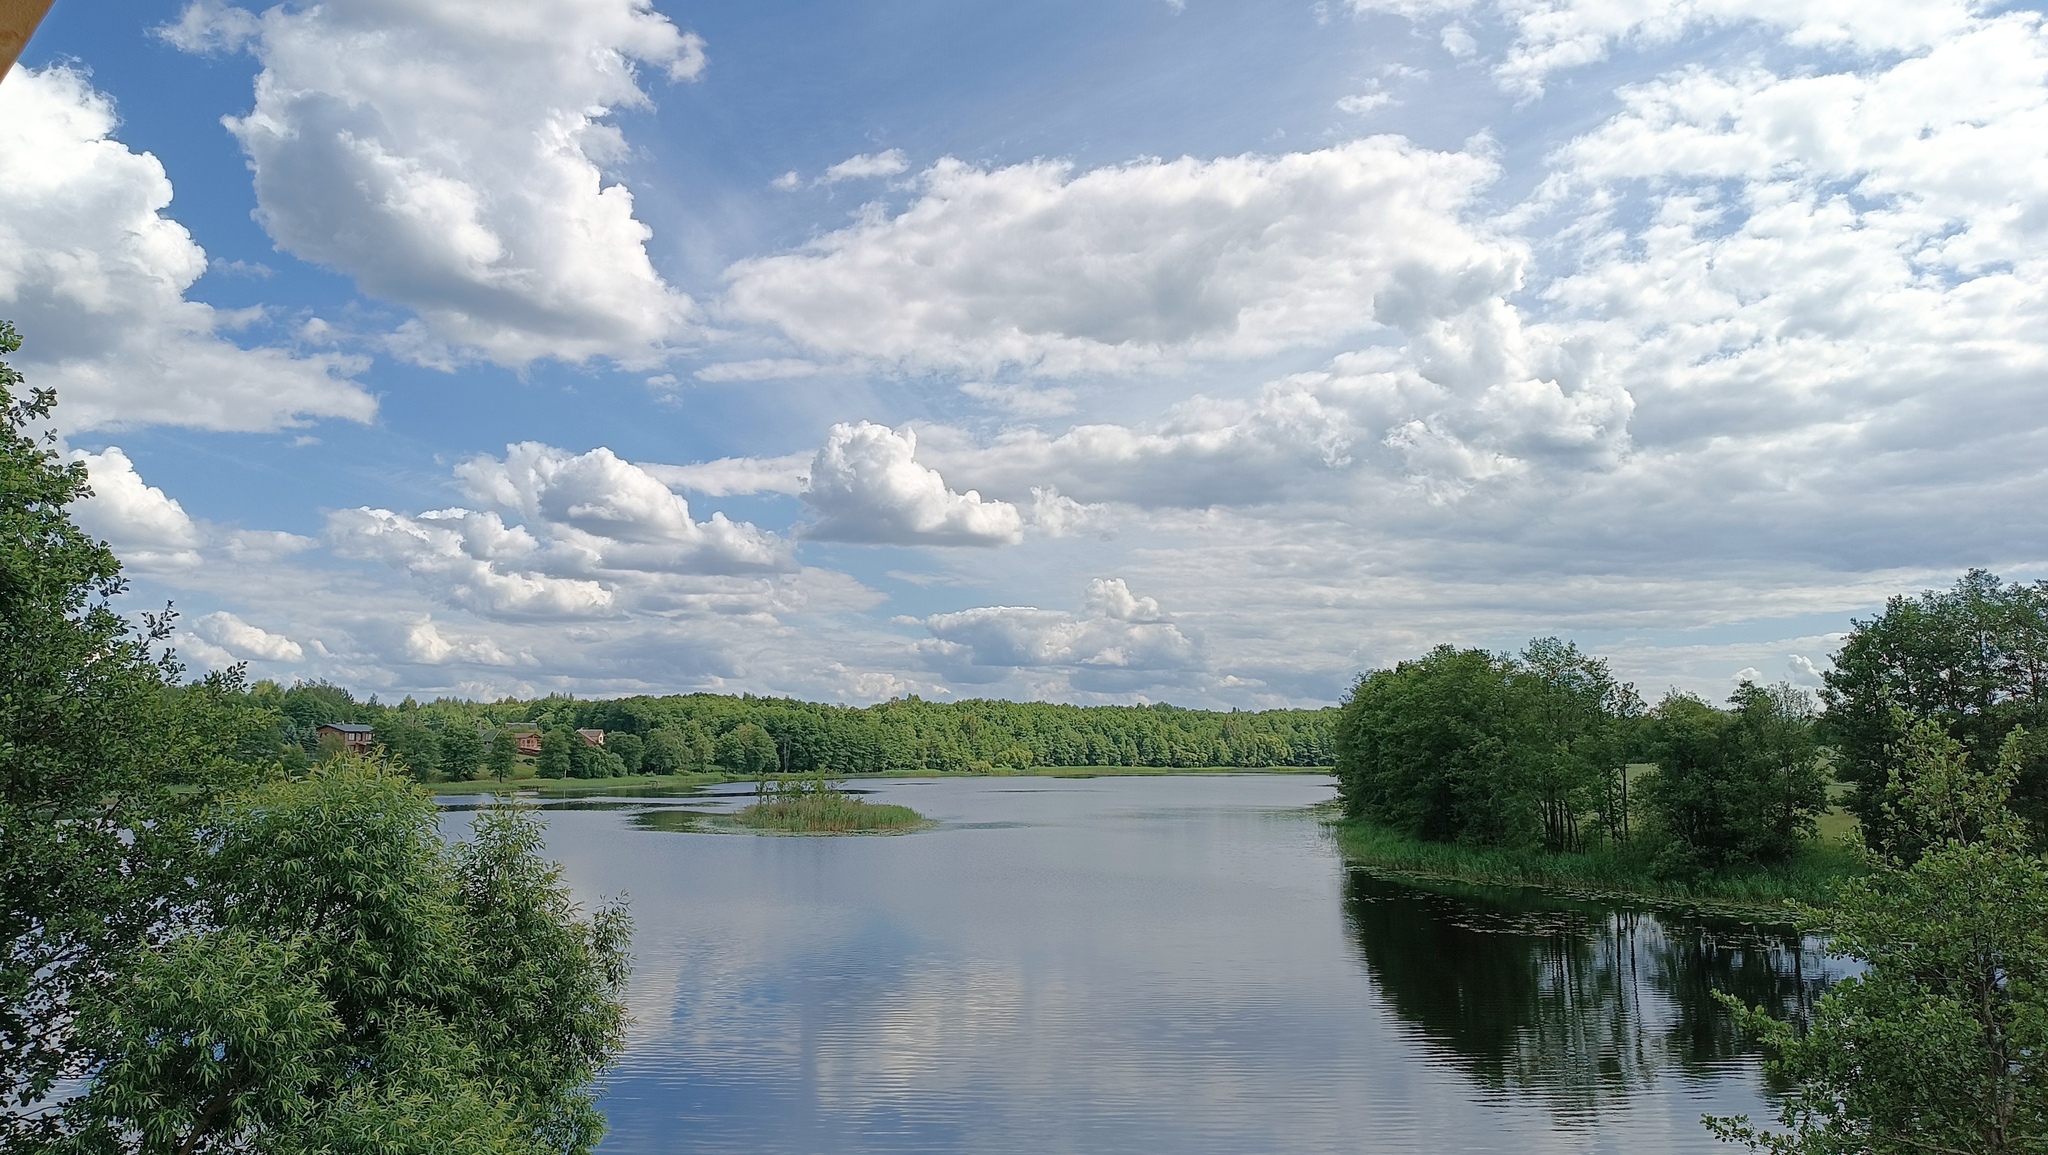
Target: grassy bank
1627,873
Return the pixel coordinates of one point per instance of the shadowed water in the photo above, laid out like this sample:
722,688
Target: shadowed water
1146,965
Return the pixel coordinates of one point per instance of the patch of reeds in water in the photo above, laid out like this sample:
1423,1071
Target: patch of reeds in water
816,805
1809,878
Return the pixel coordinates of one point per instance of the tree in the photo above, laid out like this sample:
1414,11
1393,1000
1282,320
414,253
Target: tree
557,753
1941,1044
1972,658
92,744
1429,748
1735,787
748,750
341,979
462,752
504,757
410,742
629,748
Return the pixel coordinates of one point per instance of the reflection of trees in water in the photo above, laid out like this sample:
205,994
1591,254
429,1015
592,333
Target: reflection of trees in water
1574,1002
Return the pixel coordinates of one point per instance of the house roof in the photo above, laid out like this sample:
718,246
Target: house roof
347,727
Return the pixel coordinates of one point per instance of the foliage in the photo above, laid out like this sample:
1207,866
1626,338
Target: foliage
1941,1045
1735,787
557,753
504,756
1608,869
747,749
1974,659
1467,746
93,737
339,973
630,751
199,963
462,752
814,804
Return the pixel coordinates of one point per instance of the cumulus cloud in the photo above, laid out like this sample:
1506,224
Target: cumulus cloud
243,640
612,514
95,276
866,486
450,156
1118,635
596,537
145,526
1038,267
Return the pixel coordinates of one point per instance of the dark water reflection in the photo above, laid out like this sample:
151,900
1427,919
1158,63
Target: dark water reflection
1144,965
1577,1005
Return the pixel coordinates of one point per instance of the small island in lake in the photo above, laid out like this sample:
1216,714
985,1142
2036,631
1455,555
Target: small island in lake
818,805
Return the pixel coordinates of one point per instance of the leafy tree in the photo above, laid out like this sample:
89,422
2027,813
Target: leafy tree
341,979
462,752
557,753
672,750
747,749
629,749
1972,658
1430,748
1735,787
91,743
503,760
410,742
1941,1045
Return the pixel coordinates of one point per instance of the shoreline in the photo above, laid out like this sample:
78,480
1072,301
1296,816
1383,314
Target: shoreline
1763,893
574,787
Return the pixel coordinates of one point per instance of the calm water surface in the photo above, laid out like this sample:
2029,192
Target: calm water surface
1146,965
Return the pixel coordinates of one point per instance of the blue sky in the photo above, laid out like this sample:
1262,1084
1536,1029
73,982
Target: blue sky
1131,351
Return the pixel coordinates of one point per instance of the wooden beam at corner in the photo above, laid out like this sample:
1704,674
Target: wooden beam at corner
18,20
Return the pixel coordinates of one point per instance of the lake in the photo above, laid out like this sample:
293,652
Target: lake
1159,964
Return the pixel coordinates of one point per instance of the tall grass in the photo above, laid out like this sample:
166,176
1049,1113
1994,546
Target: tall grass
1624,871
816,805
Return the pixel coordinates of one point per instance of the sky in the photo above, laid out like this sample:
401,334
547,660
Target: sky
1208,352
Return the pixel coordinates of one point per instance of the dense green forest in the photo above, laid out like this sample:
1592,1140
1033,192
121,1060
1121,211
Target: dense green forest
1546,751
450,739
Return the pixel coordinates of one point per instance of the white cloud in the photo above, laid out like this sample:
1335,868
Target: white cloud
1022,400
449,155
1120,635
246,641
735,475
1038,267
146,527
615,515
867,166
1554,35
866,486
1361,103
95,277
766,369
597,538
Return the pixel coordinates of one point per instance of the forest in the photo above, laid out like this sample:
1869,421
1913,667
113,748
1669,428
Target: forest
1546,750
449,739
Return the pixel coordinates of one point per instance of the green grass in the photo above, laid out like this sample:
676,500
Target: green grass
1810,878
828,814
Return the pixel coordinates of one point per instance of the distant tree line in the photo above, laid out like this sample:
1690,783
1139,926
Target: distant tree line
459,740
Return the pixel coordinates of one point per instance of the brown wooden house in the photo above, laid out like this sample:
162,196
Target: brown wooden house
354,737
